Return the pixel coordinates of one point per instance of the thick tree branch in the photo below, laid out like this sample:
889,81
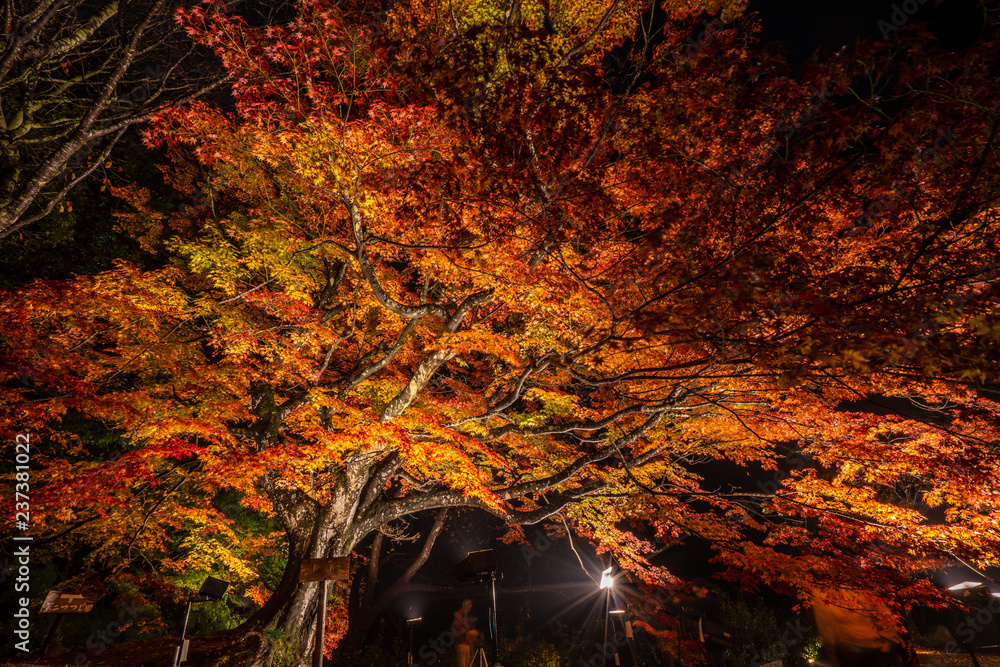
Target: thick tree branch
372,369
501,431
364,263
512,396
425,371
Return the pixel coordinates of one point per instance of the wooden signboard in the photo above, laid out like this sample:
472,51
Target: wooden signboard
58,602
324,569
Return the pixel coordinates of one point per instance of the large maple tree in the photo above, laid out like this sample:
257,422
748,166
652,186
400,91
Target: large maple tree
540,260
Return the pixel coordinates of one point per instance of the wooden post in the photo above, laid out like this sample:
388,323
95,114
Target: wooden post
321,623
323,570
52,633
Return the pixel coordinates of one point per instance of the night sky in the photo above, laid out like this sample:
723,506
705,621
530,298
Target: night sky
807,27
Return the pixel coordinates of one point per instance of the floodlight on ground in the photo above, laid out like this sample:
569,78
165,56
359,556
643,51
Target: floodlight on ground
412,622
621,613
212,590
971,591
607,581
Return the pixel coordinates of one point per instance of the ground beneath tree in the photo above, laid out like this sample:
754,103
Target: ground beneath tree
986,657
205,651
209,650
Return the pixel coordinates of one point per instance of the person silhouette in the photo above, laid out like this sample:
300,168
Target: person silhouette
466,636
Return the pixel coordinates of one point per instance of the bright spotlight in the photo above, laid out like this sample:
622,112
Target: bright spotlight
606,580
412,623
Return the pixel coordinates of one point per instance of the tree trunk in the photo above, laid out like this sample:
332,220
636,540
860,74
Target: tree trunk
288,618
287,621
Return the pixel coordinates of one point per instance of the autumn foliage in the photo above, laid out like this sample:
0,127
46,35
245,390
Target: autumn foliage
542,263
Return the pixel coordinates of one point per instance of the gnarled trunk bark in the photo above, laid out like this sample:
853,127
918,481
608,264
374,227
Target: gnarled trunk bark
287,621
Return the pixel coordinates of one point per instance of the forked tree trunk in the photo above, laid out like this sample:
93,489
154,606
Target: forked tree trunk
288,618
285,625
287,621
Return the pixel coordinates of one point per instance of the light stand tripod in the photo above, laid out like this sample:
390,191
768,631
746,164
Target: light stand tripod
607,582
211,591
412,622
629,637
494,630
479,660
